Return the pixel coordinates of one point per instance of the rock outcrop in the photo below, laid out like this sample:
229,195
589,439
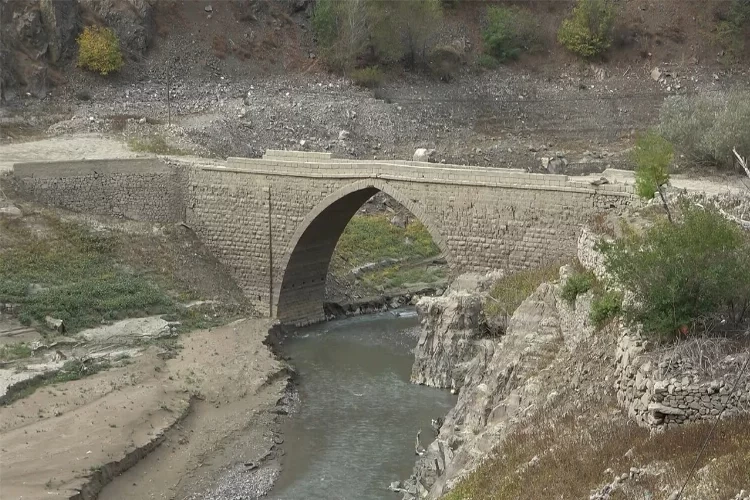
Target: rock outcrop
500,379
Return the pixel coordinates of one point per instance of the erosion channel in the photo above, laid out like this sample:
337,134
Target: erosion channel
353,428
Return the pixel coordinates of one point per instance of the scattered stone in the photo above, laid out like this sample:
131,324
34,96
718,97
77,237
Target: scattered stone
655,74
344,135
11,211
54,324
208,8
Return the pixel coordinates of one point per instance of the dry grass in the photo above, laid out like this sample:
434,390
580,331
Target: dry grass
575,452
508,293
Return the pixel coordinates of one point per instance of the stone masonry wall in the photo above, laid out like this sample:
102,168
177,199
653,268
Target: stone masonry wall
139,189
275,221
663,388
481,218
655,400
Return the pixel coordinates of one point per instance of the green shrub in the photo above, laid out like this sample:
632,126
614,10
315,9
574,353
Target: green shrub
731,31
588,31
605,307
99,50
577,284
652,156
487,61
509,32
370,77
706,127
684,276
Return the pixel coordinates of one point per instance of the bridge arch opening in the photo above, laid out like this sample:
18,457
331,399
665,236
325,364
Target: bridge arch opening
299,296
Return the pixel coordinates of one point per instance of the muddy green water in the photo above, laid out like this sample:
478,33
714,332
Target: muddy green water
355,424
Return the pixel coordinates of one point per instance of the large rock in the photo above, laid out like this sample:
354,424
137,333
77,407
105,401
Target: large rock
499,378
451,327
423,154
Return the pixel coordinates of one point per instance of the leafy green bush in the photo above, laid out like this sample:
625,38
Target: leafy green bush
99,50
706,127
605,307
652,155
445,62
588,31
509,32
684,276
577,284
370,77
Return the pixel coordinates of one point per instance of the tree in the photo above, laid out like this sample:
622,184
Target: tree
405,30
588,30
652,155
99,50
343,31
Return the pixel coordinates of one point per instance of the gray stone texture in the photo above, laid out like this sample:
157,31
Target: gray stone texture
481,218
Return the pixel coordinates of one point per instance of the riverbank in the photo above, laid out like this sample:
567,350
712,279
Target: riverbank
172,422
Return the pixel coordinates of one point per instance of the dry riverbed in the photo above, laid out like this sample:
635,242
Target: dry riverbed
178,424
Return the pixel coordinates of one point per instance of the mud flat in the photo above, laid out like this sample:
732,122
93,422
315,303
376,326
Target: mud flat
153,428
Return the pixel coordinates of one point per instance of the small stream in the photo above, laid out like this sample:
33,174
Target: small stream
353,432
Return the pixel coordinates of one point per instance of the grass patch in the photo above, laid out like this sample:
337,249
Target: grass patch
577,284
606,306
397,276
508,293
12,352
572,460
155,144
71,274
371,238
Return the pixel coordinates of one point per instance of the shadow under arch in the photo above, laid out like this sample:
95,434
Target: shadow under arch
299,298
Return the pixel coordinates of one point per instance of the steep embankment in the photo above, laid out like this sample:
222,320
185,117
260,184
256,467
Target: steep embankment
112,349
538,413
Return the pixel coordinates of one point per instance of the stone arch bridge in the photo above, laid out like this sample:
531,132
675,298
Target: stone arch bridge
274,221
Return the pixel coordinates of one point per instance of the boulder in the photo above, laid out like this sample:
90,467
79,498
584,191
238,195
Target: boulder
424,154
55,324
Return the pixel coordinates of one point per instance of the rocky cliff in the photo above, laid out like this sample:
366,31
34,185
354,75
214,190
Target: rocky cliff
500,380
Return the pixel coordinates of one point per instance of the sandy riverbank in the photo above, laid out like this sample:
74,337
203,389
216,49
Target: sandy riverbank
201,415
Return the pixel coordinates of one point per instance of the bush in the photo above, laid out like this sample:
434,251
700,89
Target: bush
99,50
588,31
605,307
487,61
370,77
509,32
684,276
731,31
706,127
575,285
652,155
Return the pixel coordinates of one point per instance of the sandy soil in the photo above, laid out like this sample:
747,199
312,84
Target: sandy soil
75,437
82,146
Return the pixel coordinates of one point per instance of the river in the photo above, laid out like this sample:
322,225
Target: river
353,430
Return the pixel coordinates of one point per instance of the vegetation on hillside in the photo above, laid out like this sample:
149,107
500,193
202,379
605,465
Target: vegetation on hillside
732,31
384,32
561,445
588,31
508,292
687,278
99,50
706,127
371,238
509,32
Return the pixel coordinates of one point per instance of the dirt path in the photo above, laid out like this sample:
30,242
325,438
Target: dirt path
75,436
90,146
